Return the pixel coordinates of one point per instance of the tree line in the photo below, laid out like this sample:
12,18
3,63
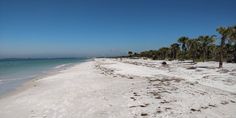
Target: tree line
202,48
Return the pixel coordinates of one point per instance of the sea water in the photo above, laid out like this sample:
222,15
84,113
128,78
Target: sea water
14,72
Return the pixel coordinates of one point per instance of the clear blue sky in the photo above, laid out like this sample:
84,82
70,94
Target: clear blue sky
65,28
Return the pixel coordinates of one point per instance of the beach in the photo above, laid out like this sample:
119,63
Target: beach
128,88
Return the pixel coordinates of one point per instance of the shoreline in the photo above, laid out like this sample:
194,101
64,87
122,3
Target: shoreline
32,81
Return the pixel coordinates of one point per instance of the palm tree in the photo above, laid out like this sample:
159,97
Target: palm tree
174,50
232,37
224,35
212,51
163,52
130,53
183,40
205,41
193,47
135,54
201,48
232,33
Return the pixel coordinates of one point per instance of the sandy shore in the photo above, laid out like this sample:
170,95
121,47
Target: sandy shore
128,89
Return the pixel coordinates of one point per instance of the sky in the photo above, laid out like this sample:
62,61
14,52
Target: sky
88,28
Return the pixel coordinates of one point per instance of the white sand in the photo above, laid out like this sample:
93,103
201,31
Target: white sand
128,88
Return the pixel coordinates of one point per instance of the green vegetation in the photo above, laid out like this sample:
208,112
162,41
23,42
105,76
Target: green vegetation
130,53
202,48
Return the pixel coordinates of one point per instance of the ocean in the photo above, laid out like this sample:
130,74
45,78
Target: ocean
14,72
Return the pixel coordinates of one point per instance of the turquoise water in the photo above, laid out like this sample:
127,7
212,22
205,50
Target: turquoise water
14,72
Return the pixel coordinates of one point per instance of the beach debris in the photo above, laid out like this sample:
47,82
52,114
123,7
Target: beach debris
158,111
232,101
204,107
192,109
144,105
167,108
163,87
164,63
163,102
135,94
212,105
144,114
198,70
131,78
224,102
132,98
192,67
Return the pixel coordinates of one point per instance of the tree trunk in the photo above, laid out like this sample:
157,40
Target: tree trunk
234,57
234,53
204,55
193,56
221,52
193,60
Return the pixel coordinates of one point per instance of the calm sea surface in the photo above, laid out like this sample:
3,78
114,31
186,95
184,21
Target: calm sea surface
14,72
